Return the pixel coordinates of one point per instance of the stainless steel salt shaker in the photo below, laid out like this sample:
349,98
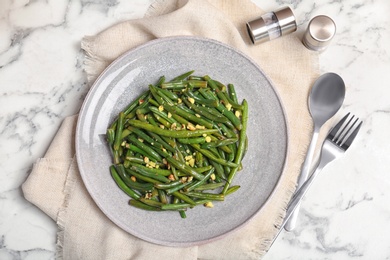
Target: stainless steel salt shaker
319,33
272,25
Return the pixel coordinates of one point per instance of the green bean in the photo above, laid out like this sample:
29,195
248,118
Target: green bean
165,186
116,156
177,206
183,197
168,140
226,112
160,81
232,189
125,133
203,169
162,172
194,140
162,196
143,187
170,133
217,90
119,129
157,143
191,117
219,143
142,104
199,159
161,141
220,90
183,76
122,185
178,85
202,101
211,156
204,195
151,202
155,110
140,205
142,177
147,149
240,147
232,92
219,170
185,168
177,187
135,149
164,123
203,112
146,173
196,184
110,136
209,186
169,94
135,103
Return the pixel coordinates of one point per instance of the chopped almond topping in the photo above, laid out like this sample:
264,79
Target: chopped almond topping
191,162
228,106
192,101
171,177
209,204
133,178
169,115
237,113
190,126
161,108
208,139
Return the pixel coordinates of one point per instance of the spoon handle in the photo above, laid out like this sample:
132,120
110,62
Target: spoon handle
290,225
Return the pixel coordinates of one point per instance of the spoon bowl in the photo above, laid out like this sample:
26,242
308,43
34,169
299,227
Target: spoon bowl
326,97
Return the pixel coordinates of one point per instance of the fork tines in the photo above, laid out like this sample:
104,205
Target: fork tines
345,131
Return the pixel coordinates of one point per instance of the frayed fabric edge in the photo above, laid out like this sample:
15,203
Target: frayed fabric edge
266,244
93,65
68,188
291,186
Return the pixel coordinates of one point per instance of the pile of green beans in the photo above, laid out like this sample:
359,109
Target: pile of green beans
179,144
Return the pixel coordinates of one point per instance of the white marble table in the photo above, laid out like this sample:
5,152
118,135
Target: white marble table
346,214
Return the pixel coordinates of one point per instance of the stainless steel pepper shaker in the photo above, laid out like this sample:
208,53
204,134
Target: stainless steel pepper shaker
272,25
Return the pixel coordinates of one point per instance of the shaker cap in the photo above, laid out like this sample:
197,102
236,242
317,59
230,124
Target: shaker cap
319,33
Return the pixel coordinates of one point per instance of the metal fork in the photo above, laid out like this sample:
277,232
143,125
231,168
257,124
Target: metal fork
336,143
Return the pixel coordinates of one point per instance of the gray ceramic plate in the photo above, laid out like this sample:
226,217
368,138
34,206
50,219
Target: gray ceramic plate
130,75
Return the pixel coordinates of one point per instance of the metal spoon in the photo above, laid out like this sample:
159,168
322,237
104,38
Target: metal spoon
326,97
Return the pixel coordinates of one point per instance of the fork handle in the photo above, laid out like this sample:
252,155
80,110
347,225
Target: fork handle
325,158
327,155
290,225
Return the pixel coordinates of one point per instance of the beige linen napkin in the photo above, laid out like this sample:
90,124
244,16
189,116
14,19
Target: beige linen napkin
55,185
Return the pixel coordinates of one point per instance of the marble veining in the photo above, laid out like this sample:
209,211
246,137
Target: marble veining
345,215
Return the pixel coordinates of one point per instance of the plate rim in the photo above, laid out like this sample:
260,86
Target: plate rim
96,83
